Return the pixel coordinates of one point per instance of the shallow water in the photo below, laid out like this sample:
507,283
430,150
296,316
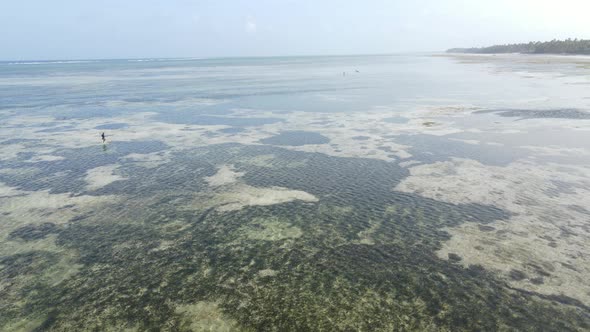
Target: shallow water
403,192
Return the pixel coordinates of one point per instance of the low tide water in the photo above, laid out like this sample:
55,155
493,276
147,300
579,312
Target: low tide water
376,193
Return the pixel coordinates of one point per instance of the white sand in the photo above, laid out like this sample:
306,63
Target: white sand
101,176
544,230
225,175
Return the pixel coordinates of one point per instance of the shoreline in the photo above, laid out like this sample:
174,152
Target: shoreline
561,55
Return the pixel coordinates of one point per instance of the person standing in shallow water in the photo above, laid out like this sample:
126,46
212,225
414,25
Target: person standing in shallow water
103,137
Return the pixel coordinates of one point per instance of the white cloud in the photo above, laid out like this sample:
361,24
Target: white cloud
250,25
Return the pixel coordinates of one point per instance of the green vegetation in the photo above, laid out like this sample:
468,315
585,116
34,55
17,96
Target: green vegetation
568,46
361,258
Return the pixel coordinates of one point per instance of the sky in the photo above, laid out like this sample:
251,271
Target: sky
85,29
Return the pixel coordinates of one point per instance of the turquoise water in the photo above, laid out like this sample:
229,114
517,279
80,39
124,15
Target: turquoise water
392,192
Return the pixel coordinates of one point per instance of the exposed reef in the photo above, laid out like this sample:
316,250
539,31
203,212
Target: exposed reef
566,113
356,256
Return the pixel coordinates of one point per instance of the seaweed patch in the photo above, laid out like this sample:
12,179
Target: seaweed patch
313,248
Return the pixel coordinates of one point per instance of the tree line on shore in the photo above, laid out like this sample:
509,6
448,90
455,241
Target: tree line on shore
568,46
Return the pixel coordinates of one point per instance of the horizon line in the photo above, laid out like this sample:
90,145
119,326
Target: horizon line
222,57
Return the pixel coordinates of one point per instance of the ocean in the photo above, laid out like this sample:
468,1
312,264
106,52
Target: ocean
371,192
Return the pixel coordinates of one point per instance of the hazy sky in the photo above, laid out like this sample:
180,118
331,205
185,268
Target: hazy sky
73,29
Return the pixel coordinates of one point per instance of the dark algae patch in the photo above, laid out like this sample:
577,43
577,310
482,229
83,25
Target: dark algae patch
360,258
296,138
565,113
34,232
68,175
